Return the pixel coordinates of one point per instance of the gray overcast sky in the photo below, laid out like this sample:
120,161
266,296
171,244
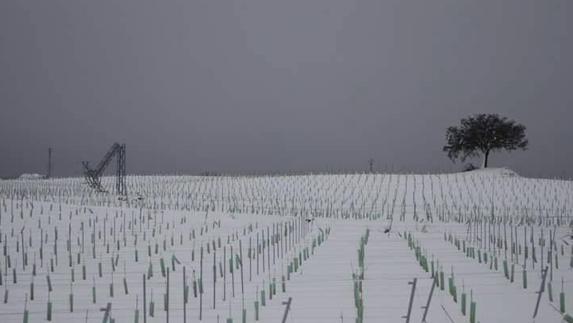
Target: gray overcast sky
277,85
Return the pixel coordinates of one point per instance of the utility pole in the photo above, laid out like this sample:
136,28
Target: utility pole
49,171
371,165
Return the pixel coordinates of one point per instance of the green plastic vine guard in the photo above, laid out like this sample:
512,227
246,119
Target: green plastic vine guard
256,310
473,312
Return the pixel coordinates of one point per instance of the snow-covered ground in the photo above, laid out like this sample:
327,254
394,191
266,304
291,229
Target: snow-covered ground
235,244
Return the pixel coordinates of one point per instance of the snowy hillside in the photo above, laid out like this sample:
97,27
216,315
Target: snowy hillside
345,248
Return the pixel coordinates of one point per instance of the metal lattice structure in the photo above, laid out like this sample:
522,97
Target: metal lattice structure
93,176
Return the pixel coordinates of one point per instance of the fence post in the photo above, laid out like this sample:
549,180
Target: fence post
144,301
541,290
287,309
429,300
413,283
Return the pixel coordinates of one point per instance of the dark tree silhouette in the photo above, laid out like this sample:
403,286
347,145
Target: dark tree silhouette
482,134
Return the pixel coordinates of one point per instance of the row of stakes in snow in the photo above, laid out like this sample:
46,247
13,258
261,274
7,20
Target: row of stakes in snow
439,279
503,236
294,266
345,196
206,198
519,253
499,245
285,240
358,278
525,253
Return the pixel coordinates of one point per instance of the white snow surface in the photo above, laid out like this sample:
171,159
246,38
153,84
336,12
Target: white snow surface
58,229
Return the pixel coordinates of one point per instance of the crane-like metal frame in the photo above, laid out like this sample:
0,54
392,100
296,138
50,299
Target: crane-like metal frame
93,176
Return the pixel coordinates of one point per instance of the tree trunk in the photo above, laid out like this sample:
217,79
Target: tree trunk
485,159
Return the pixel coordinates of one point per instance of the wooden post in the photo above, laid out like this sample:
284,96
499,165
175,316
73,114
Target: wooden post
167,297
242,283
268,251
107,312
201,287
429,300
550,256
184,295
144,301
232,269
214,275
257,253
250,253
413,283
287,309
224,272
541,290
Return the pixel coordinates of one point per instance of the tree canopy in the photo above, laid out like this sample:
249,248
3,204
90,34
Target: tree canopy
481,134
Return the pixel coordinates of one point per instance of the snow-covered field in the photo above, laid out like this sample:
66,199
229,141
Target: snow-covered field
343,248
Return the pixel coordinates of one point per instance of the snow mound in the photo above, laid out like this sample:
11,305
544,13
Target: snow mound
31,176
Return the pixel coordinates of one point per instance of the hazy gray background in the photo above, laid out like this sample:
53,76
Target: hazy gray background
278,85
